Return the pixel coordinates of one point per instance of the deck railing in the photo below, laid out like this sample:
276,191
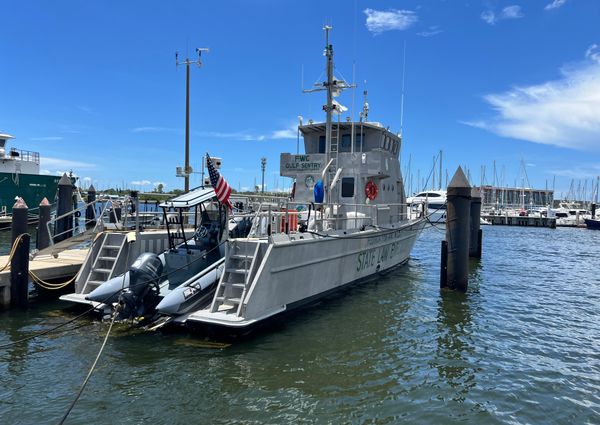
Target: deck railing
288,217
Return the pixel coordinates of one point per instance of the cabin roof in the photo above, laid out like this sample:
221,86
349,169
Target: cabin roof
190,199
5,136
319,127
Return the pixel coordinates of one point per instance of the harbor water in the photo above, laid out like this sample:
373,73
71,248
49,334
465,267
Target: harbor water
521,346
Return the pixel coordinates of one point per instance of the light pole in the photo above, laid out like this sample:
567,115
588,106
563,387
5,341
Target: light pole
263,165
187,171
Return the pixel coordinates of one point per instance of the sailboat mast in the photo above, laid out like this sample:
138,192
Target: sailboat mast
440,184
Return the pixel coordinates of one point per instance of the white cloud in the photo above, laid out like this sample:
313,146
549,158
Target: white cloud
509,12
157,183
489,17
151,129
379,21
580,171
47,138
288,133
58,163
592,53
251,136
430,32
562,112
555,4
246,135
141,182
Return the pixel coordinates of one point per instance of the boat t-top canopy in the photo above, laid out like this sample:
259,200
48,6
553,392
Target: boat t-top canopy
190,199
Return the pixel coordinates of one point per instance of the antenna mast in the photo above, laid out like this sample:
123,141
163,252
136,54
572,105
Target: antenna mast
187,62
333,88
402,97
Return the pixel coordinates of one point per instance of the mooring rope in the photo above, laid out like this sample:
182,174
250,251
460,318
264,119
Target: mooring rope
12,251
89,375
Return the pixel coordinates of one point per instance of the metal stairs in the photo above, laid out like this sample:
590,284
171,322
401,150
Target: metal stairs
334,148
103,266
240,267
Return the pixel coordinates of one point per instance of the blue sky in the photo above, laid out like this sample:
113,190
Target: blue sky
93,85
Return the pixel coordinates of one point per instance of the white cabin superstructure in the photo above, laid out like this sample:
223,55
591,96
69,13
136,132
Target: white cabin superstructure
16,160
346,222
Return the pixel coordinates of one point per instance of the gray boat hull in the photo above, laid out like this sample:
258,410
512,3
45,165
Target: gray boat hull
295,271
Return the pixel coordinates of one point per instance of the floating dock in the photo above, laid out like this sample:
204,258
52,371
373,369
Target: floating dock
45,267
525,221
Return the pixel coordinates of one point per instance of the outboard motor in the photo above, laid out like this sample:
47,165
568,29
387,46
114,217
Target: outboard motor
142,294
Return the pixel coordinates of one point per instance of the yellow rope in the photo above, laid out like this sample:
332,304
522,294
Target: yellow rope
36,279
12,251
48,285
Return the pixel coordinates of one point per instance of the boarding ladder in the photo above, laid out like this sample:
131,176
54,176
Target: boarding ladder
334,147
103,266
240,266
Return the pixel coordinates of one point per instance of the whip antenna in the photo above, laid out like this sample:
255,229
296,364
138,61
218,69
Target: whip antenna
402,96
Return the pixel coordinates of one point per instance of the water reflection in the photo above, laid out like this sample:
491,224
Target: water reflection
15,354
454,343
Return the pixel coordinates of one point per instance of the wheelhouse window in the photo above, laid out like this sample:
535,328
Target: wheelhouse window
358,143
347,187
346,145
321,144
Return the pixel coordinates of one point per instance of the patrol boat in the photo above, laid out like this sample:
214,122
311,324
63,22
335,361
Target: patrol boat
347,222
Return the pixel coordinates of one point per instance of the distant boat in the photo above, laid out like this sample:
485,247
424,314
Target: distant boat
436,201
592,223
20,176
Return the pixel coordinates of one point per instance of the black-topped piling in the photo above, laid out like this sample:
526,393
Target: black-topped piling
19,263
117,211
457,231
475,230
135,207
43,237
90,216
64,226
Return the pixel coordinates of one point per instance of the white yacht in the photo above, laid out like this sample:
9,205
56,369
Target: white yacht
570,214
346,222
434,201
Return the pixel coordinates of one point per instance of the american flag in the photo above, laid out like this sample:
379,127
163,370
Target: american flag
217,181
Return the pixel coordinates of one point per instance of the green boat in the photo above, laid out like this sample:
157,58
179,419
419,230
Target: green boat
20,176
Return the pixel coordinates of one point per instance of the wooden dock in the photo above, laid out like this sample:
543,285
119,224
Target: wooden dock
525,221
46,267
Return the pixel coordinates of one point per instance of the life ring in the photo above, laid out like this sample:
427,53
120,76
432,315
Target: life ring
371,190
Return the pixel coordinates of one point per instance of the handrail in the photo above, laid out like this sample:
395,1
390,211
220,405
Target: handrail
331,216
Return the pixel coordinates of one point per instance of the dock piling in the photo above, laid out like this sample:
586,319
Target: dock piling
135,208
43,238
444,265
458,231
475,234
64,225
90,214
19,263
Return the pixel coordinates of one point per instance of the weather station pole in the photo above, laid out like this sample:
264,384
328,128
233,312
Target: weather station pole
187,62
